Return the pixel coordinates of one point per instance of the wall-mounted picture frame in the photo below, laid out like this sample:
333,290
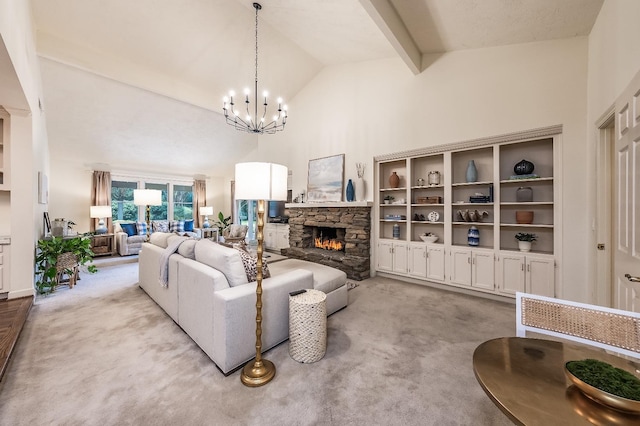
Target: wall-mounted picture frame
326,179
43,188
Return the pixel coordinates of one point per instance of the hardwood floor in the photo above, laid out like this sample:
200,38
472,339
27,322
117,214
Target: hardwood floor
13,314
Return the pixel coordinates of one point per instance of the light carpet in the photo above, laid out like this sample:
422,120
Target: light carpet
103,353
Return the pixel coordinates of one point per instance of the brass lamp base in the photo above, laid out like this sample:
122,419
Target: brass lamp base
258,373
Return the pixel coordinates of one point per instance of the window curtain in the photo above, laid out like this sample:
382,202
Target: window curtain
199,200
101,195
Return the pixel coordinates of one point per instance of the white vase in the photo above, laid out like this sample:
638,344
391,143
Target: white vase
524,245
360,190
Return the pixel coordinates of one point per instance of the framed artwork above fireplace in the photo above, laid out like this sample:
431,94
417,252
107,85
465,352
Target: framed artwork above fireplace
326,179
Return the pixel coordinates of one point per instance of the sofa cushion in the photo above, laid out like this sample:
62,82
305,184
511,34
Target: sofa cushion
176,226
160,226
142,228
188,225
160,239
129,228
224,259
251,266
187,249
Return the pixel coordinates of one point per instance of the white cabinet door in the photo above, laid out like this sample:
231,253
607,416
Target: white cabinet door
282,236
483,269
435,262
460,266
385,256
511,273
418,260
540,275
269,237
400,257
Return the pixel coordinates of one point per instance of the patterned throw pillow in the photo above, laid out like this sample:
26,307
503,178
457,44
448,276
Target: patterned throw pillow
160,226
129,228
142,228
188,225
176,226
251,266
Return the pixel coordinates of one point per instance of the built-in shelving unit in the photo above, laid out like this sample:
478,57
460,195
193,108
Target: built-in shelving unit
443,208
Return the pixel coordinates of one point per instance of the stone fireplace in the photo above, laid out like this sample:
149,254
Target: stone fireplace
333,234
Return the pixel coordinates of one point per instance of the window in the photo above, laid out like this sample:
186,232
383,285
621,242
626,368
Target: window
122,207
182,202
159,212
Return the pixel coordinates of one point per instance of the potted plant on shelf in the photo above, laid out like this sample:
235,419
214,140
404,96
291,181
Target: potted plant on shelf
388,199
524,240
47,256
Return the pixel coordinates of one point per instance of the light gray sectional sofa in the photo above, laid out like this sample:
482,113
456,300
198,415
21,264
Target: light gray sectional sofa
208,295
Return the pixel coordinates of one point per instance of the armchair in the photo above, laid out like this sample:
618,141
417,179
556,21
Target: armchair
235,233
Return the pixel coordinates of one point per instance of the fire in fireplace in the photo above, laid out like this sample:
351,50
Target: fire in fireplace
328,238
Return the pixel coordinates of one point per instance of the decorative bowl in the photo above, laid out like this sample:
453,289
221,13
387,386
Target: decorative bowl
524,217
602,397
429,238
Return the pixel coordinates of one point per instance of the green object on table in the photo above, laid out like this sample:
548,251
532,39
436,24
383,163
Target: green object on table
606,377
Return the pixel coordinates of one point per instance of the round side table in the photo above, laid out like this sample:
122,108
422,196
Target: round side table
308,326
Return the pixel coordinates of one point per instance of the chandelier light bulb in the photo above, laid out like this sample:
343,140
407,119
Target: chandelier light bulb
279,100
247,91
225,99
232,93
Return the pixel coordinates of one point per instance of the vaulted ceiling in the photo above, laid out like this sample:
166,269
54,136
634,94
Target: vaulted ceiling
196,50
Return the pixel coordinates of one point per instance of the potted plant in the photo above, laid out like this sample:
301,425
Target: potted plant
388,199
524,240
223,222
47,256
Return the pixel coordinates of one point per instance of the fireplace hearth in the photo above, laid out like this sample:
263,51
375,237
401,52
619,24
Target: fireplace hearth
344,226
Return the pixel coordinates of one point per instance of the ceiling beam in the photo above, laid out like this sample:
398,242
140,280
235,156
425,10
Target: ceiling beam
387,19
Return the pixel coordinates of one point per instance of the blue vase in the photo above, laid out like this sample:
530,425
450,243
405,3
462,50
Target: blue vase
351,193
473,237
472,172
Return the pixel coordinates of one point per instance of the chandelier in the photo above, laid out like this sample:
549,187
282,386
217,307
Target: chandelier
253,123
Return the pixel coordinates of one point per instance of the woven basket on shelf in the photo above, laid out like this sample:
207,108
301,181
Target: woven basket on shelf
308,326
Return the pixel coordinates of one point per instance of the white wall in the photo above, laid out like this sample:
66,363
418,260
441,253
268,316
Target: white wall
29,145
614,58
371,108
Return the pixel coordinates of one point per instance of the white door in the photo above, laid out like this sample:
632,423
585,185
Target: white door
400,258
483,270
510,273
540,276
435,262
460,266
418,261
385,256
627,197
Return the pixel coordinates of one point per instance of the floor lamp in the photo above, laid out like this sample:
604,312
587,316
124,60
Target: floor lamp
147,197
261,182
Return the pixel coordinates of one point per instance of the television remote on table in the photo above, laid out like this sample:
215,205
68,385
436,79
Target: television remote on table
295,293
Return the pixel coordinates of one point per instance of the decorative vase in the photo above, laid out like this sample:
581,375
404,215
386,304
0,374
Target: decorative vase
420,182
360,190
396,231
524,217
524,245
524,194
394,180
524,168
473,237
472,172
351,192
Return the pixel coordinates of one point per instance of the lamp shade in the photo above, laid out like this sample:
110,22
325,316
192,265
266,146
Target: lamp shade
206,211
261,181
99,212
147,197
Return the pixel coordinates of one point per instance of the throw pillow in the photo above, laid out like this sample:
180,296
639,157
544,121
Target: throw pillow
129,228
176,226
188,225
187,249
160,226
142,228
251,266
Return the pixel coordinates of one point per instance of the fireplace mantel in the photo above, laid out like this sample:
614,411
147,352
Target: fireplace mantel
329,204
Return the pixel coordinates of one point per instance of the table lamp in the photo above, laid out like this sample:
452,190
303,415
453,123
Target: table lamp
147,197
206,211
260,181
100,212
